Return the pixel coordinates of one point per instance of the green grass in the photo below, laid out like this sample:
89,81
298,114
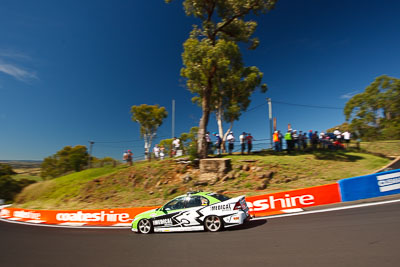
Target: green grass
385,148
56,191
153,183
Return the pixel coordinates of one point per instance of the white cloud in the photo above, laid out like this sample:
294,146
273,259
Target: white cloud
349,95
12,62
17,72
14,55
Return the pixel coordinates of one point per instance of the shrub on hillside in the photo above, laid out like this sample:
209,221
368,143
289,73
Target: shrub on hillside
66,160
6,169
9,187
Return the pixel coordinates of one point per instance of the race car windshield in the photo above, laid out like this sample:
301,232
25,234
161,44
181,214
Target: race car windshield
219,197
175,204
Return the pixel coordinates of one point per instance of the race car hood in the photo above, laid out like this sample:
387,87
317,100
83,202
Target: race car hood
147,214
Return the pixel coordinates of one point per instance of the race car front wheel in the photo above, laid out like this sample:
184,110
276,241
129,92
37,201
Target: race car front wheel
145,226
213,223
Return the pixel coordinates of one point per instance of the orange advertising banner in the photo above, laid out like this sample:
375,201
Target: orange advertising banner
263,205
107,217
279,202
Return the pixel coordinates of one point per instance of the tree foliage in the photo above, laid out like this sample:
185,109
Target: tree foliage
10,187
65,160
188,143
150,117
375,113
6,169
212,59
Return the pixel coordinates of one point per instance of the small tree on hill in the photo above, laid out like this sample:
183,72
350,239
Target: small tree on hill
375,113
65,160
150,118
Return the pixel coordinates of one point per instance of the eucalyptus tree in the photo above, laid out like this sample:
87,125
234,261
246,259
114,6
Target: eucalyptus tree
212,47
375,113
150,118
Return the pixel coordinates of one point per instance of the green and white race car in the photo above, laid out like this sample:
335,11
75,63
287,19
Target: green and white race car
195,211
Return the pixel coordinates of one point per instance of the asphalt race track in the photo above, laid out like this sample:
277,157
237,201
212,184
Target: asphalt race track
368,236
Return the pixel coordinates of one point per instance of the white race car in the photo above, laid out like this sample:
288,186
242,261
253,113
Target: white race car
195,211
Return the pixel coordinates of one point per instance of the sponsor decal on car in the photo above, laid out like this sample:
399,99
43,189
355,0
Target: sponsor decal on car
221,207
167,221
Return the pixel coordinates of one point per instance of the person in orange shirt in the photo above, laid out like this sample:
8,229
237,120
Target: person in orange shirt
275,138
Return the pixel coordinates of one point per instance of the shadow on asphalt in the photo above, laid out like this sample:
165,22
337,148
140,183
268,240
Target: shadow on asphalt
249,225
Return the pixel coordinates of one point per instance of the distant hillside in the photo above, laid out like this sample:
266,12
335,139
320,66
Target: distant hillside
20,164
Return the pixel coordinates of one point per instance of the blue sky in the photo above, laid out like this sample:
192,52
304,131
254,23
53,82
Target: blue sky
71,70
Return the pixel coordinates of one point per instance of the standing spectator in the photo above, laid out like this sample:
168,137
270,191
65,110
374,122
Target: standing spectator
129,158
218,143
280,140
295,138
242,139
125,156
209,143
162,152
310,133
275,138
314,140
304,140
249,140
301,140
176,144
156,151
289,141
337,134
346,137
231,141
322,140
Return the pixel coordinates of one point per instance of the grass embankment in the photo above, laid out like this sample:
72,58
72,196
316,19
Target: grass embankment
384,148
152,183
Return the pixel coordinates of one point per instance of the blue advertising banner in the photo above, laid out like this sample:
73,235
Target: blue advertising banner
368,186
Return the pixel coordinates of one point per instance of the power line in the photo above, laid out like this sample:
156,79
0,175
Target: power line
308,106
118,142
256,107
126,141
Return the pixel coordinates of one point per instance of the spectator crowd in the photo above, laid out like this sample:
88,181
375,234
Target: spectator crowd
312,140
292,140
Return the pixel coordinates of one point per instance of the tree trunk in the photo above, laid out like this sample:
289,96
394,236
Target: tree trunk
218,115
201,134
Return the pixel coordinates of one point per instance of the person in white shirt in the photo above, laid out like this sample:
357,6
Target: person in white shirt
242,139
175,145
156,151
346,137
231,139
338,134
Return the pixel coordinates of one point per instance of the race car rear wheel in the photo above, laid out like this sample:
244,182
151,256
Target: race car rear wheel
213,223
145,226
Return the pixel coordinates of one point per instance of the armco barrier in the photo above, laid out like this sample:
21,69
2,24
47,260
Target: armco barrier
283,202
369,186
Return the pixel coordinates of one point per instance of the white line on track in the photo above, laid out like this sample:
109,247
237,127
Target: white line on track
328,210
257,218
